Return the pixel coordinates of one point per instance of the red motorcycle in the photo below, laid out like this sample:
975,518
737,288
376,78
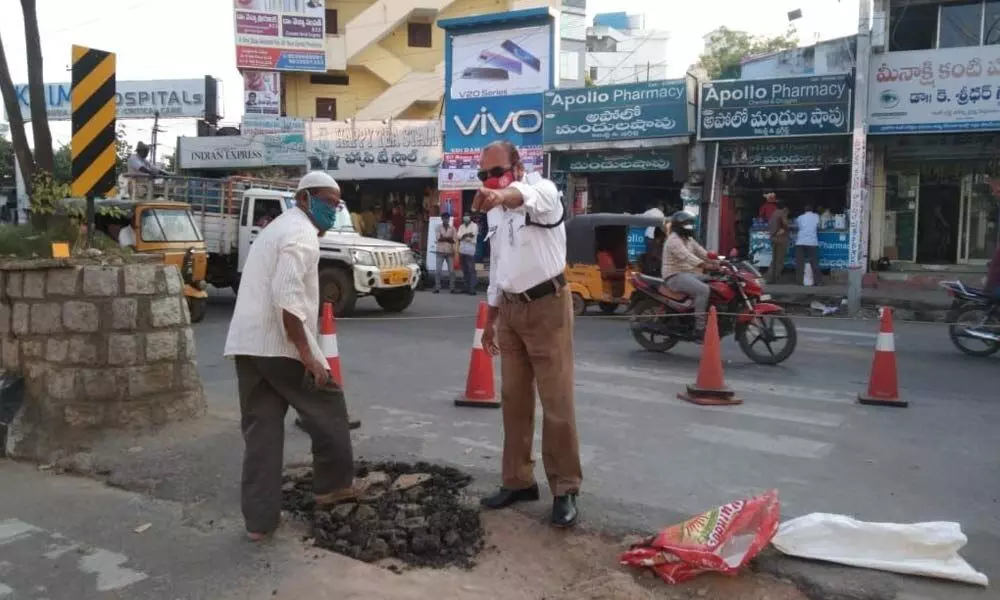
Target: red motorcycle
661,317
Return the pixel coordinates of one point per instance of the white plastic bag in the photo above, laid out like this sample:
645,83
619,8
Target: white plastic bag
807,276
927,549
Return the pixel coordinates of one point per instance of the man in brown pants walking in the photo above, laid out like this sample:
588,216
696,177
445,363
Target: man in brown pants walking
531,326
278,363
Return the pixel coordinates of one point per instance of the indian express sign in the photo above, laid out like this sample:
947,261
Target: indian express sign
172,99
773,108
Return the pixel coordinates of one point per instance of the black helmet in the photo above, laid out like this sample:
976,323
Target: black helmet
683,223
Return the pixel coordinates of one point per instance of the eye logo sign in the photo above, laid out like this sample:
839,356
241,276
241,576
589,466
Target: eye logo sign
888,99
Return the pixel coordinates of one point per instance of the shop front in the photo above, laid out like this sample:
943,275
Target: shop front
623,148
936,192
788,137
387,172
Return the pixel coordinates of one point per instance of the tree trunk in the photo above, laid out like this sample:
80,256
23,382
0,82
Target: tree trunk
44,156
21,149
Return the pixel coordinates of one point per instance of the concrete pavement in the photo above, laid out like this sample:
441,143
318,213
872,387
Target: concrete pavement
650,460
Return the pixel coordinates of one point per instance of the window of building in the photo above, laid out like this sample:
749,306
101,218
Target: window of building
329,79
960,25
569,65
913,27
418,35
331,22
326,108
593,74
991,23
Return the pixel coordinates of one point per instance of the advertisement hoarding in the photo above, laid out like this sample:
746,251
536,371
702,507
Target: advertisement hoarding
172,98
242,152
458,169
935,91
263,125
375,150
505,62
638,160
472,124
770,108
261,93
281,35
654,109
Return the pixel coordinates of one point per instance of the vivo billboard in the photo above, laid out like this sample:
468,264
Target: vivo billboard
472,124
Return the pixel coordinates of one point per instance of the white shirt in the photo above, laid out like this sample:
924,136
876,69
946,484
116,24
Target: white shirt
281,274
126,237
136,164
808,223
653,212
465,230
524,256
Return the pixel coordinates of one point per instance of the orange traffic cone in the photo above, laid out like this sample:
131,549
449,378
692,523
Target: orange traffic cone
883,386
328,343
479,388
710,388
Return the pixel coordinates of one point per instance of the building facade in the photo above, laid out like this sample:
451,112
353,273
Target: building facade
621,50
385,58
934,126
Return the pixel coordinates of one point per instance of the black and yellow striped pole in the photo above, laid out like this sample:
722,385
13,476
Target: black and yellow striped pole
92,148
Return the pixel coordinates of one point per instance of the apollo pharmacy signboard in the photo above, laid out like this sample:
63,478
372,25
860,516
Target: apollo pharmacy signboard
472,124
774,108
655,109
171,98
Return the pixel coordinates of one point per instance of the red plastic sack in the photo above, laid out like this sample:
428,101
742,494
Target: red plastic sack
721,540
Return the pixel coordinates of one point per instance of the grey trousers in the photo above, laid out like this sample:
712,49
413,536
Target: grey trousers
690,284
267,387
444,266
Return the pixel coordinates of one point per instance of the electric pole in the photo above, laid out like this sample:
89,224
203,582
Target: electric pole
859,207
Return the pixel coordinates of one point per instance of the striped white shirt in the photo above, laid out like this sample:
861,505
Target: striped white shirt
281,274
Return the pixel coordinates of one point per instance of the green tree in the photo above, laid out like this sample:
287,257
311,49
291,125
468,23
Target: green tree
62,167
725,48
6,161
123,149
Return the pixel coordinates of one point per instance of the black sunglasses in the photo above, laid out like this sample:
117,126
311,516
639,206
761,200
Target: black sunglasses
485,174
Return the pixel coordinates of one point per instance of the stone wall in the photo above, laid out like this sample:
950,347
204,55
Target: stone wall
100,346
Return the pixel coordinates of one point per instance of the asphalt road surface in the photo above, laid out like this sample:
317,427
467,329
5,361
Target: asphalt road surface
650,459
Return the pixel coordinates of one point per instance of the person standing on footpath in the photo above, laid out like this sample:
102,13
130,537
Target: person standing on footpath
530,325
778,228
272,337
468,233
807,246
444,250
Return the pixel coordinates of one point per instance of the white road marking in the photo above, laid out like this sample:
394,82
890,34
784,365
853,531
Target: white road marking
664,397
5,591
742,386
107,566
481,444
12,530
781,445
54,551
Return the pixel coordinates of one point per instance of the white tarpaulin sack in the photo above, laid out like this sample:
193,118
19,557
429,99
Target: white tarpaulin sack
928,549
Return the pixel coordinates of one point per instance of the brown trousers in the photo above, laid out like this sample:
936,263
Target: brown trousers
267,387
536,349
779,249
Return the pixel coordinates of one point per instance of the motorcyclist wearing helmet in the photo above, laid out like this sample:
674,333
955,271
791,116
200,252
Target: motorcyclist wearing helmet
684,260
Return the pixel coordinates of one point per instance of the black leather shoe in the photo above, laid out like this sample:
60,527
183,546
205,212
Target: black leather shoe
564,510
506,497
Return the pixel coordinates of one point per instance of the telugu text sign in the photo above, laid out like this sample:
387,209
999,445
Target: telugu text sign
281,35
375,150
653,109
171,98
770,108
597,162
93,143
942,91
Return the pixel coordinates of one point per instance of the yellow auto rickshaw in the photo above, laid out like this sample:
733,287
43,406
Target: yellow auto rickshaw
602,252
162,227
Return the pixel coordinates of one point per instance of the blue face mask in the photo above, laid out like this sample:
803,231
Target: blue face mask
323,214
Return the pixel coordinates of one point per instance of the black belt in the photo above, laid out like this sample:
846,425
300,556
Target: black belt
543,289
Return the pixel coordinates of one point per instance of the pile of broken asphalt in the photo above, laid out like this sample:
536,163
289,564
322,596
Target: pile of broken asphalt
418,514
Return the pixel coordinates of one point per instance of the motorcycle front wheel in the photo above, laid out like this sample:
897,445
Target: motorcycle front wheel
647,311
760,337
973,316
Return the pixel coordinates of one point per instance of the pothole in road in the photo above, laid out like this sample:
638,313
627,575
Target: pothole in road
418,514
